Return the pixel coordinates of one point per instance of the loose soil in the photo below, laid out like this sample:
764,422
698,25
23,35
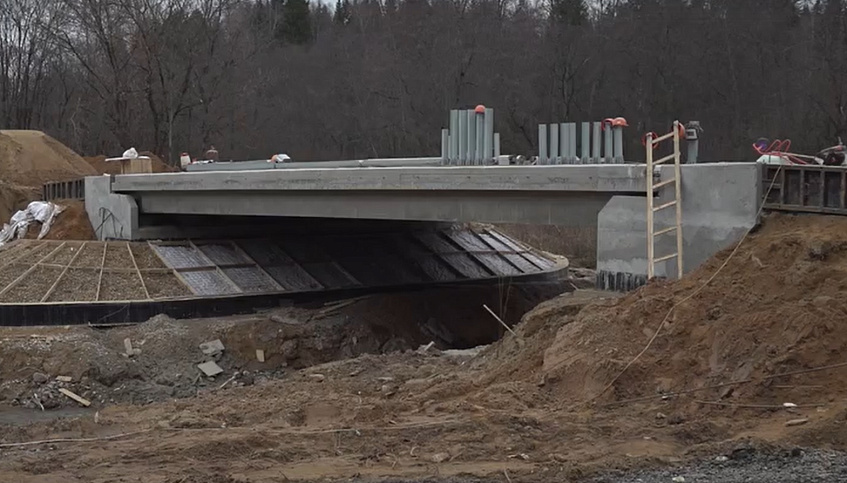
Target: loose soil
32,158
15,197
340,397
71,224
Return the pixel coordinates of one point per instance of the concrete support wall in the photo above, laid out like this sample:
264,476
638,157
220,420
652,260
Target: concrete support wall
720,203
113,215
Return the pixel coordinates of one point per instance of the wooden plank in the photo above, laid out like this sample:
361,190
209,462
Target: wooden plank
100,276
135,265
666,257
75,397
666,205
141,166
678,189
651,269
664,183
670,157
666,230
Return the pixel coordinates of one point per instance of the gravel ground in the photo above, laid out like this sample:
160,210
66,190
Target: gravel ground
745,466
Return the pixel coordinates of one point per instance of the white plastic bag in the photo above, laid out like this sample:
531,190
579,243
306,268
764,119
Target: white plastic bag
131,153
41,211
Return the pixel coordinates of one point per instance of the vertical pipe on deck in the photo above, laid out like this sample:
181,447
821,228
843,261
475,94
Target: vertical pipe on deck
571,127
555,152
463,138
471,147
693,151
563,143
542,144
480,138
617,131
596,143
488,143
445,146
608,156
585,143
497,145
454,136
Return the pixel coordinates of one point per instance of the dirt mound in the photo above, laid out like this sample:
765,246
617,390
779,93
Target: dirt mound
776,307
71,224
32,158
102,167
14,198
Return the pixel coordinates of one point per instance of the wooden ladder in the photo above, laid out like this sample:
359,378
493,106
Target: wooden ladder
652,233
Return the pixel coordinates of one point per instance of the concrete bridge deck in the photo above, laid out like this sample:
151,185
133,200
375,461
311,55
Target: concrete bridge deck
551,195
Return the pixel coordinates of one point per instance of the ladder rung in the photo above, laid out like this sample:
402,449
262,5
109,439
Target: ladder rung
664,183
666,257
663,137
666,230
666,205
667,158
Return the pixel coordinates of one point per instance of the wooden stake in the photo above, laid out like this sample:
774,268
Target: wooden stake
79,399
500,320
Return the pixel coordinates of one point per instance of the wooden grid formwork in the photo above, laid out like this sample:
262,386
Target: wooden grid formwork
117,271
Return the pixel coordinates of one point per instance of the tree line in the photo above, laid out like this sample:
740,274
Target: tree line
367,78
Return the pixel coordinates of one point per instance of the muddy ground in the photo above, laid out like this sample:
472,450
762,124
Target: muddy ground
735,373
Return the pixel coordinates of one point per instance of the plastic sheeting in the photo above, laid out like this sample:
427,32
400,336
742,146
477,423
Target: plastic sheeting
43,212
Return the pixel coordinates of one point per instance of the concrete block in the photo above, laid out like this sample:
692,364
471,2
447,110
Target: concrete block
212,348
210,369
112,215
720,202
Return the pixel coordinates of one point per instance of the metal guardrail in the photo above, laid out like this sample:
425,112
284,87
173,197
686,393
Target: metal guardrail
64,190
805,188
